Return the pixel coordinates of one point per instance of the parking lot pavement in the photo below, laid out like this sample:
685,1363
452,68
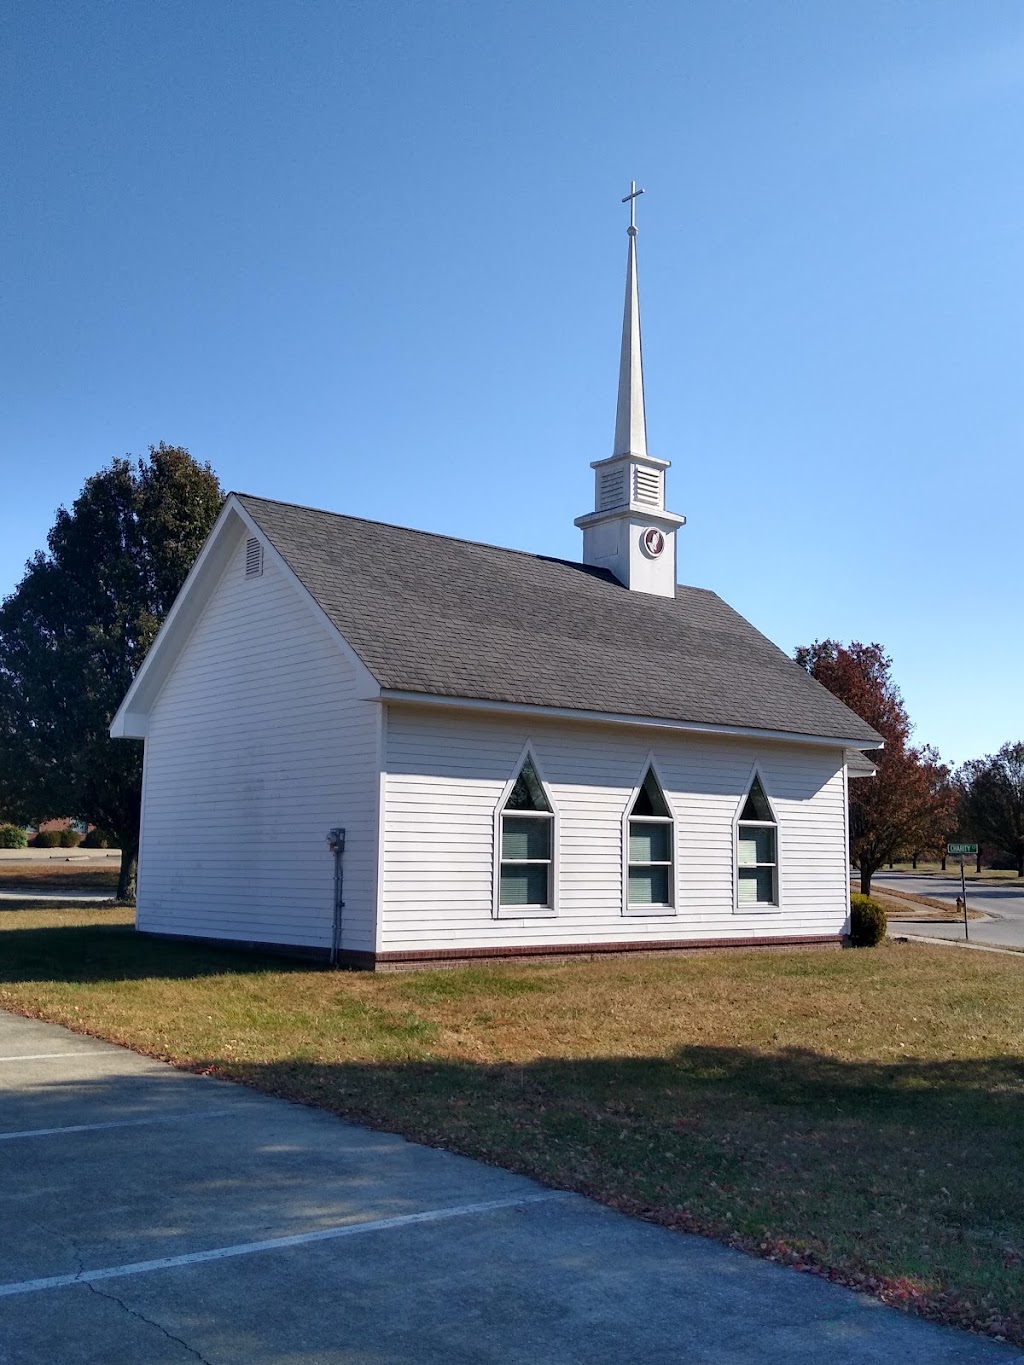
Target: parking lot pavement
152,1216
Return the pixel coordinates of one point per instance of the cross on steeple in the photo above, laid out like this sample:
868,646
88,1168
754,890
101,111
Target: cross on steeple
630,199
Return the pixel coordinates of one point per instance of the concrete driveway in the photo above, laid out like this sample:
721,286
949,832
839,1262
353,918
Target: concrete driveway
151,1216
1004,901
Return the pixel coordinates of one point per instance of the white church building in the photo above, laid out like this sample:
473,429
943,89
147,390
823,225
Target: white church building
389,748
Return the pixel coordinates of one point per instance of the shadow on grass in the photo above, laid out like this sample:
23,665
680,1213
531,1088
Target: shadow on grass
115,952
929,1099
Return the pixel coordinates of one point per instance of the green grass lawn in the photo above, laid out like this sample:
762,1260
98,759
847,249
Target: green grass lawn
857,1114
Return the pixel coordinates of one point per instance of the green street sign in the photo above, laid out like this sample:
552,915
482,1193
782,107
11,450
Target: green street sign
962,850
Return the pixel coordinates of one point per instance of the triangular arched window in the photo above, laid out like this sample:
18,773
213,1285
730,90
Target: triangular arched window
756,806
527,793
650,859
757,872
527,824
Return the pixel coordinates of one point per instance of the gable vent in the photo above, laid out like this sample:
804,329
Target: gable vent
253,557
647,486
611,488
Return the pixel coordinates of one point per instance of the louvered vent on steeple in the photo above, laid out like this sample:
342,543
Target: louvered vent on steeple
647,486
253,557
611,488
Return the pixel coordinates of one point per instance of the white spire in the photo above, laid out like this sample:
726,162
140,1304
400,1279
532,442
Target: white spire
630,533
630,417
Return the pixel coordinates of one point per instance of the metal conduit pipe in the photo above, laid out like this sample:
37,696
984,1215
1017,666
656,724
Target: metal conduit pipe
336,843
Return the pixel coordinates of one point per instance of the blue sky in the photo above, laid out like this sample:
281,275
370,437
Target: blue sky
369,256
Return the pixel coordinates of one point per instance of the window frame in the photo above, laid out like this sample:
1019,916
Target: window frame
525,912
659,911
774,906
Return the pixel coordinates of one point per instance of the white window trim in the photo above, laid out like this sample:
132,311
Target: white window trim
755,907
651,911
524,912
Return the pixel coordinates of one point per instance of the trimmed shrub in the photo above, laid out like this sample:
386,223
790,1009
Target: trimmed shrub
96,838
13,836
68,838
48,838
867,922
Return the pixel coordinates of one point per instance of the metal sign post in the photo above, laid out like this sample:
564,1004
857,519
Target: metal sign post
963,893
963,851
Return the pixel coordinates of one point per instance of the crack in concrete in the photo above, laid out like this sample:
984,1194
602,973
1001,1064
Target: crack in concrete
135,1313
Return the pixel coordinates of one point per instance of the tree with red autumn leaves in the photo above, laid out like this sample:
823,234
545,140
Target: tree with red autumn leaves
909,804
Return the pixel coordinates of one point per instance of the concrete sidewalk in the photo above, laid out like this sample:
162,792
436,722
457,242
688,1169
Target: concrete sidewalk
152,1216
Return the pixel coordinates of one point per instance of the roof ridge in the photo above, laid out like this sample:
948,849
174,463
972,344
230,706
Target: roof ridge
413,530
436,535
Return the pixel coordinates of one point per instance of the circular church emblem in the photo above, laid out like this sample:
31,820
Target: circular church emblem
653,542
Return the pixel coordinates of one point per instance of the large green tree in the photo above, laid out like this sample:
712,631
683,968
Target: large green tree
905,806
993,803
76,629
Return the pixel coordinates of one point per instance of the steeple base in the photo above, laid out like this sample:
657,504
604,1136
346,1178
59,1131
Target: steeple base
635,544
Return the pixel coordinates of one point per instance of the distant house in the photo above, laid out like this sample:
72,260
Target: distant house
81,827
389,747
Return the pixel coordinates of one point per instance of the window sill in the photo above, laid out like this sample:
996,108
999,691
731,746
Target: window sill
525,912
757,909
648,911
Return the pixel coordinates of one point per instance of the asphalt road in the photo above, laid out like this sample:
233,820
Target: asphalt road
151,1217
1004,901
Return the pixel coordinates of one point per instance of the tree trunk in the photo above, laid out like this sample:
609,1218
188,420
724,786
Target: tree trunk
129,871
943,861
865,881
1020,864
913,861
978,868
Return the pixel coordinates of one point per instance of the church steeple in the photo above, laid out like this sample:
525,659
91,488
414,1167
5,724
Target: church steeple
630,416
629,531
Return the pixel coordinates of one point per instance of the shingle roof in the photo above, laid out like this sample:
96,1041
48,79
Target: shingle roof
453,618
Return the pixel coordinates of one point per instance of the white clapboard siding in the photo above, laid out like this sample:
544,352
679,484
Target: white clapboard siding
257,746
445,776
